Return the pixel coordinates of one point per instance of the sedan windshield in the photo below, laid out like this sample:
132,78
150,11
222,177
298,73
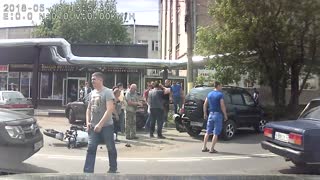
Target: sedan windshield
313,114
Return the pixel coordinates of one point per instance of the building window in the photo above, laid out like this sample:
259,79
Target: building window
142,42
46,85
58,85
178,26
3,80
109,79
155,46
25,81
13,81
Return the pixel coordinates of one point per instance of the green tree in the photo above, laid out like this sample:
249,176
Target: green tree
84,21
274,41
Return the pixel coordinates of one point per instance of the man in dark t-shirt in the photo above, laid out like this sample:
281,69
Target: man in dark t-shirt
155,100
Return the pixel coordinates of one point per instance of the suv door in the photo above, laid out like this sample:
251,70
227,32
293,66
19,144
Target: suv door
239,108
253,112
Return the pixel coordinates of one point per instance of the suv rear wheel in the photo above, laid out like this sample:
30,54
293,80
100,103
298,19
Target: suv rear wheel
193,131
259,127
229,130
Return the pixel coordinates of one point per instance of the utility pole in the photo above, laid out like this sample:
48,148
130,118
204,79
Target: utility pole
188,27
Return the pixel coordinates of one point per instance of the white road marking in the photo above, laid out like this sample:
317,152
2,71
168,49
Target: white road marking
167,159
178,160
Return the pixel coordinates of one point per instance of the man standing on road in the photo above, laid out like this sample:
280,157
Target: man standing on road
100,124
215,121
133,102
156,107
176,96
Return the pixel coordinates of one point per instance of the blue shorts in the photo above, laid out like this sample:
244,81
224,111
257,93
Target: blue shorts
214,124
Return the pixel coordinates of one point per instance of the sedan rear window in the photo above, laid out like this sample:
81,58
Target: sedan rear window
313,113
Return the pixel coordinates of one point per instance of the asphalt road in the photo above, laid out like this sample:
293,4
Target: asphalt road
178,154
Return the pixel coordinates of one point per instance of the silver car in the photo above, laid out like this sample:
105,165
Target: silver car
15,101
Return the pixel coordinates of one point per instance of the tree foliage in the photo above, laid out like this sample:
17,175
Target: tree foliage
84,21
274,41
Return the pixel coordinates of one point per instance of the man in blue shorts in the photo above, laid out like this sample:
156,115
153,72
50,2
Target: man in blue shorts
217,112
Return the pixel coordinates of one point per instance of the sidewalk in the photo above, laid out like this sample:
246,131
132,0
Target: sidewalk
51,111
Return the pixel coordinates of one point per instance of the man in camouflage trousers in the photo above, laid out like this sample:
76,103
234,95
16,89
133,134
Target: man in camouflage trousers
133,102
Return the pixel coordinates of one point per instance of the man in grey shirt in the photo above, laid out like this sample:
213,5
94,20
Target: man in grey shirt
100,124
133,102
155,100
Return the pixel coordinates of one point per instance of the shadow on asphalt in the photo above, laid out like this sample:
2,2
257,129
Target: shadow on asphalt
309,170
242,136
29,168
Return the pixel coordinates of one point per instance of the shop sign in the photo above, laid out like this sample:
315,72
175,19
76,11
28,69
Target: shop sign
20,67
58,68
119,70
3,68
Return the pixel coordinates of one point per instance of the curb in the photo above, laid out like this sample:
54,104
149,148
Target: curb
53,113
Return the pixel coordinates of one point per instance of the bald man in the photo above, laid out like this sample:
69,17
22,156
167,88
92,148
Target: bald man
133,102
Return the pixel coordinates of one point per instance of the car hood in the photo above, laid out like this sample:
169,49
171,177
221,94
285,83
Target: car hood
299,125
8,115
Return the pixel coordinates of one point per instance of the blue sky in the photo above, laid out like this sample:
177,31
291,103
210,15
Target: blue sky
145,11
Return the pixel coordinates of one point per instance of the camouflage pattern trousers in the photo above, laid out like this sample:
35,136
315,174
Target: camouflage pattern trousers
130,125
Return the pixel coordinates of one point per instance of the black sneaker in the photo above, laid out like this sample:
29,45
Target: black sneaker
161,137
112,171
151,136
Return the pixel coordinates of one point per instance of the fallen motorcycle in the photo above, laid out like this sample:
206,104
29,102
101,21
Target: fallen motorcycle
178,119
74,137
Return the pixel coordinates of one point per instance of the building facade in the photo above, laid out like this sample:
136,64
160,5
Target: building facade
172,23
146,35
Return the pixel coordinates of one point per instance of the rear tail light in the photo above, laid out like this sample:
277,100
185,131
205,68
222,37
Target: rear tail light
295,138
268,132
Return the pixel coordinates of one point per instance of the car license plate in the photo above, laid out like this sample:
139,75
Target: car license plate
198,124
38,145
282,137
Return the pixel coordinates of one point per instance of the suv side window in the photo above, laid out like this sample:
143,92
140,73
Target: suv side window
237,99
227,98
248,100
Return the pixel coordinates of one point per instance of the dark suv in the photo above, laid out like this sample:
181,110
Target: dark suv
241,109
